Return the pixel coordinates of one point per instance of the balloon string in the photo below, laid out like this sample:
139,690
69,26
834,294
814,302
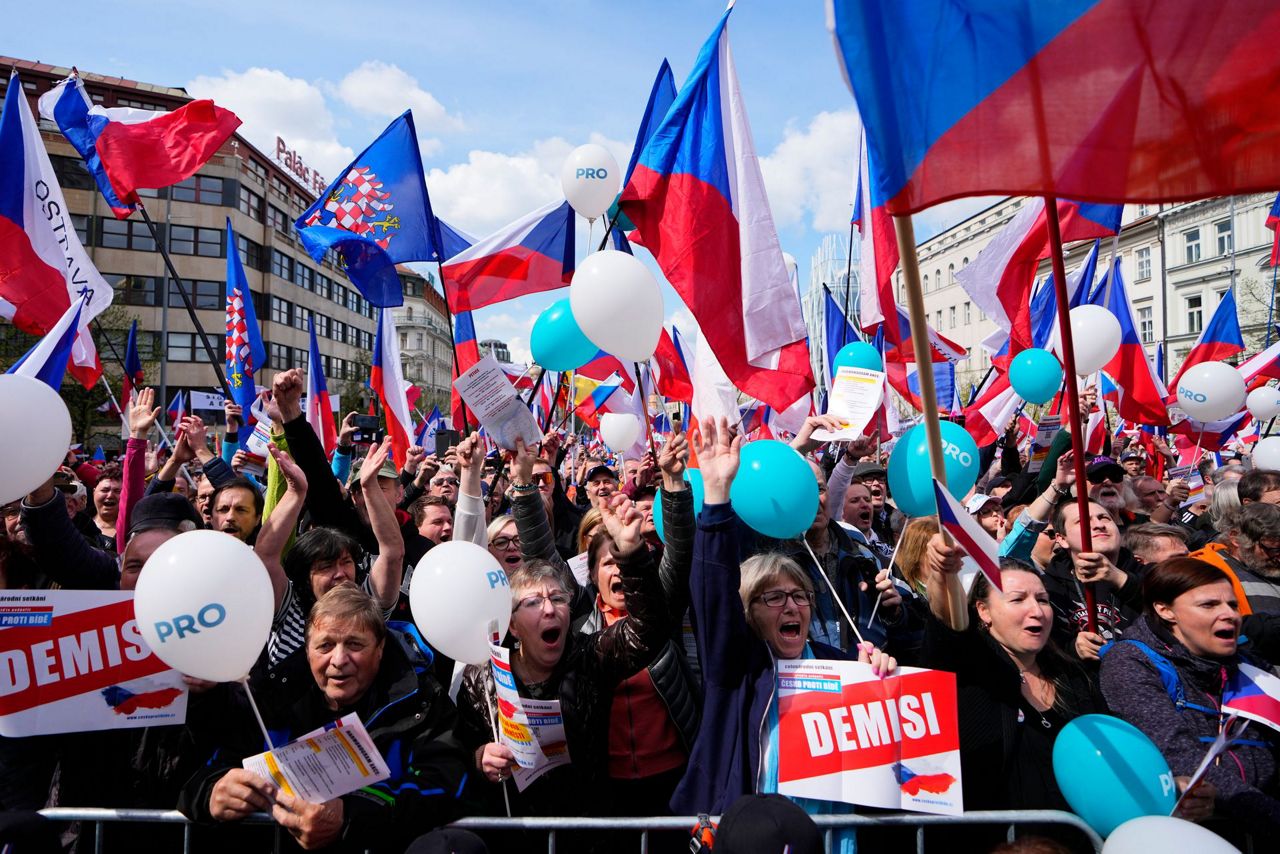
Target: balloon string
253,704
493,723
834,595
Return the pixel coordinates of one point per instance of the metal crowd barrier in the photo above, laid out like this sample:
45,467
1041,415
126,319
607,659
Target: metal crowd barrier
551,826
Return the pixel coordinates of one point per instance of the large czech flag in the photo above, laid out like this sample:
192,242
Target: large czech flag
387,380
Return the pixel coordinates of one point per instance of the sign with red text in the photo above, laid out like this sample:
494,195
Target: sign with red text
74,660
845,734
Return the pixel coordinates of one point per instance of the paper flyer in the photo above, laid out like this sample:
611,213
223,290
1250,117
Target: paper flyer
856,394
532,729
1045,431
547,726
489,394
325,764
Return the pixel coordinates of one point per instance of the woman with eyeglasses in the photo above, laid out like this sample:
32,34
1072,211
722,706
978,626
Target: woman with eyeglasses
504,543
748,615
550,662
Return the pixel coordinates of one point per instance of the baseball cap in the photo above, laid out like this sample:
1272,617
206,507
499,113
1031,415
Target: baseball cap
1101,468
163,510
1131,455
600,469
977,501
997,482
767,824
388,470
868,470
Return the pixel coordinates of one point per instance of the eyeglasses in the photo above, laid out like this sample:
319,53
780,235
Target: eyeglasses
501,543
534,603
1271,547
1049,532
543,478
778,598
445,481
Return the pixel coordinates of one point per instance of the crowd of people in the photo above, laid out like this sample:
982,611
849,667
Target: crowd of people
662,649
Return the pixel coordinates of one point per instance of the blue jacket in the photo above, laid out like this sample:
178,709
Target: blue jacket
738,673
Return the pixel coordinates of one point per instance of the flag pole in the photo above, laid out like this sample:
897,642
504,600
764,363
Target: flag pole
1271,305
186,299
1073,393
904,230
453,346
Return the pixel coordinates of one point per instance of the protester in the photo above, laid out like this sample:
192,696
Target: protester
601,482
1167,676
990,515
1152,543
909,561
237,508
445,484
1259,486
106,505
503,539
1258,538
434,518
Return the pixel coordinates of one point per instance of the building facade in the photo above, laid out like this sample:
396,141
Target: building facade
497,348
426,347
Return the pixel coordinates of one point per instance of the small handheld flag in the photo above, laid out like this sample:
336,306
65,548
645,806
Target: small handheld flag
1253,693
968,534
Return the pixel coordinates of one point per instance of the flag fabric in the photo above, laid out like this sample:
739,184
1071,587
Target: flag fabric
245,351
1273,223
319,407
466,354
426,435
377,215
603,365
591,397
531,255
1208,435
987,102
1142,394
661,97
177,408
47,360
672,372
1253,693
968,534
544,400
1160,362
133,373
878,256
127,149
838,333
1263,364
44,271
1220,339
697,198
387,380
987,417
99,455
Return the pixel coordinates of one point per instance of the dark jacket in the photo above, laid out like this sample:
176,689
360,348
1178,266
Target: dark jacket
62,553
1246,776
411,721
583,682
738,679
1117,609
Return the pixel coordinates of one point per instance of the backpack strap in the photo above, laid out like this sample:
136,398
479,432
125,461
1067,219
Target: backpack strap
1168,675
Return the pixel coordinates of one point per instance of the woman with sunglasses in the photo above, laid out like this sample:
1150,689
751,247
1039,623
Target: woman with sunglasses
550,662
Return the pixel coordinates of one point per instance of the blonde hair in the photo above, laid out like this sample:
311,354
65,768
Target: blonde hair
496,526
590,519
347,603
911,548
759,570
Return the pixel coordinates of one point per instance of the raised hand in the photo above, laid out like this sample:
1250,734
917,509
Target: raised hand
804,442
672,460
623,522
196,435
1065,476
347,432
522,462
470,465
286,391
372,464
413,458
143,413
233,413
718,448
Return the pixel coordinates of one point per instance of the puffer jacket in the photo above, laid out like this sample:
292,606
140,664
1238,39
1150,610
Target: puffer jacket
1246,775
583,682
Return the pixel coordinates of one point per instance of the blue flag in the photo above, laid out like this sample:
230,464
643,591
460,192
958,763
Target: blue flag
661,97
839,332
377,215
245,352
99,455
47,360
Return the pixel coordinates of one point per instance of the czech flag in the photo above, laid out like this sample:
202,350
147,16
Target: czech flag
44,271
466,354
968,534
1142,394
529,256
988,416
879,248
319,407
427,432
1273,223
127,149
1264,364
1220,339
1253,693
697,199
1068,99
177,408
672,371
387,380
839,332
47,360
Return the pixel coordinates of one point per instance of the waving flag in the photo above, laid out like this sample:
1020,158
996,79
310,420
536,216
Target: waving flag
602,366
44,271
544,400
968,534
426,435
673,381
698,200
468,354
128,149
1253,693
529,256
245,351
177,408
377,215
661,97
1044,308
133,373
838,330
878,256
1220,339
319,407
1264,364
987,417
386,378
1142,395
591,397
988,101
1273,223
47,360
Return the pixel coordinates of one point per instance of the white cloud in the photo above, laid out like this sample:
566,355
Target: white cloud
933,221
378,89
271,104
809,175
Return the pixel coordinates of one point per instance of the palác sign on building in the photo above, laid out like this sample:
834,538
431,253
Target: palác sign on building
292,161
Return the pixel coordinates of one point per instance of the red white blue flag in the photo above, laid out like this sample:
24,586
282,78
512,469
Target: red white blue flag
1142,394
1219,340
1273,223
386,378
1253,693
319,407
968,534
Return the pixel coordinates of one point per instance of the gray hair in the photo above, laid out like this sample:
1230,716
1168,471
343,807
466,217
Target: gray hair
1258,521
1224,507
1220,474
759,570
535,572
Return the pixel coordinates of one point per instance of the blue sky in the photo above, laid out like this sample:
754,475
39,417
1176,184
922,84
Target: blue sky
501,92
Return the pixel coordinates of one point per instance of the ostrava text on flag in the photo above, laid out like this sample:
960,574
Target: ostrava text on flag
1069,99
529,256
319,409
245,351
387,380
43,268
697,199
128,149
377,215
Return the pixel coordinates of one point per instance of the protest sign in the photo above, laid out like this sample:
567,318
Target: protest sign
491,397
74,660
1045,431
328,763
856,394
845,734
532,729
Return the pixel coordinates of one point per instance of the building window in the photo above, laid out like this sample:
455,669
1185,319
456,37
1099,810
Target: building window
188,240
72,173
278,355
278,184
1146,326
140,105
926,283
204,189
1195,314
1191,240
418,339
322,325
135,290
250,204
937,324
951,316
338,331
300,315
301,357
1143,210
353,300
125,234
281,311
1143,257
324,286
276,219
203,293
281,265
185,347
256,168
82,224
404,342
1222,230
250,252
968,314
951,274
303,276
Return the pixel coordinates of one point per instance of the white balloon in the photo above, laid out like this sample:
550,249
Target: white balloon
620,430
1211,391
1266,454
458,588
1095,333
204,605
1263,403
590,179
1150,833
36,428
617,304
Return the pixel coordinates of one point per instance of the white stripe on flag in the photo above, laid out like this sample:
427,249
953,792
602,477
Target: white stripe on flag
969,534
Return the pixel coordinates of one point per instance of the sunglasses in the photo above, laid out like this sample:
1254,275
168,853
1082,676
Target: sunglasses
445,481
1104,477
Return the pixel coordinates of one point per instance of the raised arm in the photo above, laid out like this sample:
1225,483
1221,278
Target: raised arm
627,646
1021,538
142,417
279,526
468,519
537,540
388,568
677,524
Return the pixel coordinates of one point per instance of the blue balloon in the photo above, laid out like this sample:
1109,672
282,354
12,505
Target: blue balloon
775,491
911,476
557,343
1036,375
693,477
1110,772
858,354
